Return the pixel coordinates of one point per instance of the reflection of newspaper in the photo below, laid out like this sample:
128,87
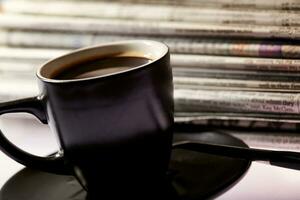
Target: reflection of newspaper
238,121
269,140
236,101
211,46
284,141
203,115
117,26
152,12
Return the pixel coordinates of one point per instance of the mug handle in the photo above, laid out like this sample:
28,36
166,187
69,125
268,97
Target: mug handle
54,163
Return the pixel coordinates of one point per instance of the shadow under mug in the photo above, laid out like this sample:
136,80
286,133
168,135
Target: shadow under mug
115,130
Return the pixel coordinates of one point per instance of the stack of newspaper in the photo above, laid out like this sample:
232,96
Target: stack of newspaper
235,63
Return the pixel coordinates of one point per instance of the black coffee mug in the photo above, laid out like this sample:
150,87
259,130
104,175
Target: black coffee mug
115,130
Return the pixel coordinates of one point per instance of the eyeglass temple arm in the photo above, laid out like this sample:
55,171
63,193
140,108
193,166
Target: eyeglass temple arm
284,159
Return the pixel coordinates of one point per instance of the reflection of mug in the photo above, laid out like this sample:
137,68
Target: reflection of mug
115,130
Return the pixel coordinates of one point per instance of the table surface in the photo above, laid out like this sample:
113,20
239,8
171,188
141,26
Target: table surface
261,181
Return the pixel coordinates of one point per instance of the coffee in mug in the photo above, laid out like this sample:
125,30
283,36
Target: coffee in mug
100,66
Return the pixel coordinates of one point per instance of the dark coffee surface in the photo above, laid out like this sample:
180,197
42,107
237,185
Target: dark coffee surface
99,67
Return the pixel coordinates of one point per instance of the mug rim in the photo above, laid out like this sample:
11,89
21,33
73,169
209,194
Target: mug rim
158,45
